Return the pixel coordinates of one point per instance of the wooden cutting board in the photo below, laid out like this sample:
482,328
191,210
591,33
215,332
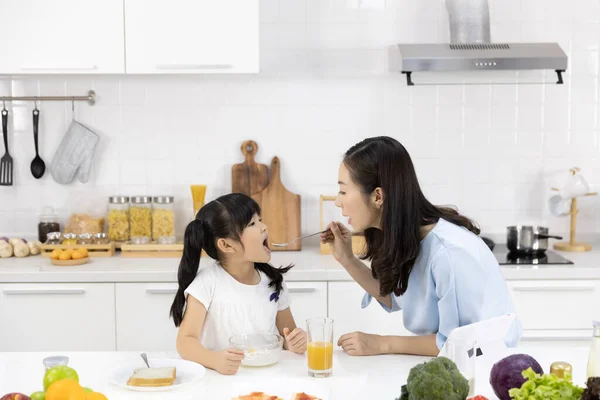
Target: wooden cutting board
280,211
249,177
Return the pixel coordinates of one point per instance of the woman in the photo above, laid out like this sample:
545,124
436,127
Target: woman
425,260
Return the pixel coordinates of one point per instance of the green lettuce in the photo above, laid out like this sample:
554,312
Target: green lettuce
545,387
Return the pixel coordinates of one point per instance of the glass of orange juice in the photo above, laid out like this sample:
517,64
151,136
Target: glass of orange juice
320,347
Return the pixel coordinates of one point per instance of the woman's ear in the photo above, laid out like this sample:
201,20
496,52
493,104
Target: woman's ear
224,246
377,197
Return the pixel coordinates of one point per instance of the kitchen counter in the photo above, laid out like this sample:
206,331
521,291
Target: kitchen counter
377,377
310,265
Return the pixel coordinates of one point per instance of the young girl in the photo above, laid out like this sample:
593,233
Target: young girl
238,293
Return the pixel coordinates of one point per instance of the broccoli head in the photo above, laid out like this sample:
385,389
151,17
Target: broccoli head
438,379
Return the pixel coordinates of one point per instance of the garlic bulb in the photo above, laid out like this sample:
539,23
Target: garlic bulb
21,250
6,250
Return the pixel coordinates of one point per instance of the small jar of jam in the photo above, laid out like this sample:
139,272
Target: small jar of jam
69,239
85,238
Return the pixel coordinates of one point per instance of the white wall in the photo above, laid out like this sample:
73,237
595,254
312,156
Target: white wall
494,151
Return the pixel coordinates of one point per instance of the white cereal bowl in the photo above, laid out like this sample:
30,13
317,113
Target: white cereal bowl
260,349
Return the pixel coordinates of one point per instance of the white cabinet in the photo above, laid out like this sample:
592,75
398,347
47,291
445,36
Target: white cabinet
554,312
57,317
191,36
62,36
308,300
143,322
345,309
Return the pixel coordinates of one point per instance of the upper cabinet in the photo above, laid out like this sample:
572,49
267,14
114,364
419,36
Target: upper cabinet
62,36
129,36
191,36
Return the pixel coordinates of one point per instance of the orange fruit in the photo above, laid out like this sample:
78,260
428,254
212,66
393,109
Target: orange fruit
64,255
70,251
84,252
65,389
96,396
55,253
77,255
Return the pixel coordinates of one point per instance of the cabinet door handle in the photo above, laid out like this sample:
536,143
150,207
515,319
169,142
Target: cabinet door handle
302,290
161,291
60,68
554,288
42,291
193,66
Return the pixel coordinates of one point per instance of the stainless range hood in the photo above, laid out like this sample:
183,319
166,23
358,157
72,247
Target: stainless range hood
471,49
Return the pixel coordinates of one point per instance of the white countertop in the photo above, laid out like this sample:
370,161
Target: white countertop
310,265
378,377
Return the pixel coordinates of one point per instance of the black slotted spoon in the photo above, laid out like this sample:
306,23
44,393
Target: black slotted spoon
6,162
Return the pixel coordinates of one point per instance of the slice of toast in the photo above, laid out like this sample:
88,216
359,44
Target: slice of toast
153,377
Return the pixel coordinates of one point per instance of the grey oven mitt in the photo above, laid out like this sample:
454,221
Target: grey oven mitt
74,155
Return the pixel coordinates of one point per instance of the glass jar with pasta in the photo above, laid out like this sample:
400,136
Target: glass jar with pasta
140,217
163,217
118,218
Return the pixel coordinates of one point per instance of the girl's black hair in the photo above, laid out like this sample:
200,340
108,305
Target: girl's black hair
225,217
383,162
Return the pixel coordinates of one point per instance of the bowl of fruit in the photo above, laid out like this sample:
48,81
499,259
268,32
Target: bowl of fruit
69,257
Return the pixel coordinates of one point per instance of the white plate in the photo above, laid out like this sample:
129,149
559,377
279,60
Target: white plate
187,373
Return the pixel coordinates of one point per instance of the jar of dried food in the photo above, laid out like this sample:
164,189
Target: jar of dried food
163,217
48,223
69,239
53,238
85,238
118,218
140,216
101,238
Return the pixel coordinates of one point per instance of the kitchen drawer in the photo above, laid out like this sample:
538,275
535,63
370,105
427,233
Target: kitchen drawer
562,305
345,308
308,300
57,317
143,322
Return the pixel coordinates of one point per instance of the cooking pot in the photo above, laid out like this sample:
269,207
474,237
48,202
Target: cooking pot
527,239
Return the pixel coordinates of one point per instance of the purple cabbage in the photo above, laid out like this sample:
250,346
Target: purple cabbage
507,373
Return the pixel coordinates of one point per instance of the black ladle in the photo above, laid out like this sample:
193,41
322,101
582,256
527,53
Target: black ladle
38,167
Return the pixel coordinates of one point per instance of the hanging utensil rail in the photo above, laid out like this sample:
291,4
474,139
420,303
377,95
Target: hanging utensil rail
90,98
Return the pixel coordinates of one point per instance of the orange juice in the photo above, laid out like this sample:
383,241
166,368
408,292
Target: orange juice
320,356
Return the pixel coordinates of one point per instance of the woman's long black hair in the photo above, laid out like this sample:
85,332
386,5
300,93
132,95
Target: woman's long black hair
383,162
225,217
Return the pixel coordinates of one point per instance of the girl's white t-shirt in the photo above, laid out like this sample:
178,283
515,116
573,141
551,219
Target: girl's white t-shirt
234,308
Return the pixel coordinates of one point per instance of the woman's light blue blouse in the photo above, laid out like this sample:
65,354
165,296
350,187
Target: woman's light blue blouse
456,281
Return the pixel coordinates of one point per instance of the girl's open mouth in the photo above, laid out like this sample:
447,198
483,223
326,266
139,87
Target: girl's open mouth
266,245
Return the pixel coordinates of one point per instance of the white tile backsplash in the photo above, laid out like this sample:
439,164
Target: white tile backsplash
494,151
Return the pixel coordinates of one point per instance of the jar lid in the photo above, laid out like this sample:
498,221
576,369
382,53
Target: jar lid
141,199
48,215
54,361
140,240
53,235
100,235
70,236
167,240
118,199
85,236
164,199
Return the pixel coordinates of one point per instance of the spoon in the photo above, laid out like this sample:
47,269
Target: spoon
38,167
301,237
145,358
